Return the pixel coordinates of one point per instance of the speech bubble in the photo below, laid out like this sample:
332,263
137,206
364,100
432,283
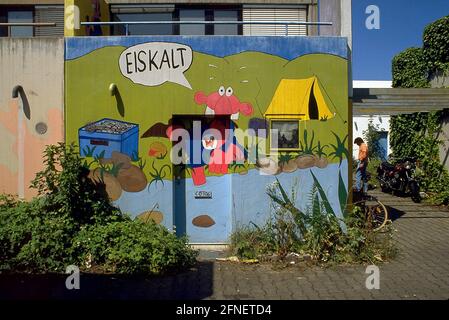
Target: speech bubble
154,63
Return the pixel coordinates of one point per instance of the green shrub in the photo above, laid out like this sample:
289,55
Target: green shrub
416,135
371,136
251,242
436,44
65,189
410,69
133,247
373,164
72,221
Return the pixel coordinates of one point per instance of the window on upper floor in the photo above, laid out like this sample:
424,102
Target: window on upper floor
277,13
32,14
250,13
175,13
20,16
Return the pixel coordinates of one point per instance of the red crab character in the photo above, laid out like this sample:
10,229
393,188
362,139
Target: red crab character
223,150
223,102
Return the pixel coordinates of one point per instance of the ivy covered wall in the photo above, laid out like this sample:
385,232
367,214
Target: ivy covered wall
419,134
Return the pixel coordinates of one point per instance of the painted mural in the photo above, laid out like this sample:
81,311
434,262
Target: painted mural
189,131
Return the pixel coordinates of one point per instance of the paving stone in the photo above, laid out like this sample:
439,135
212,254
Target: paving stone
420,271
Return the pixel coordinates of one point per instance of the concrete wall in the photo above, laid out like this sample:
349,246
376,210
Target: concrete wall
330,12
339,13
35,118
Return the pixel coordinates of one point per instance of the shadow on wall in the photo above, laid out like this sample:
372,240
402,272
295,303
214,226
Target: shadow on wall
116,93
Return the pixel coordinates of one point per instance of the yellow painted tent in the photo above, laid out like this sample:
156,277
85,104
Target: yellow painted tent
299,98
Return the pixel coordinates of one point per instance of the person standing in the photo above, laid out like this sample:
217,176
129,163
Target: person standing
362,163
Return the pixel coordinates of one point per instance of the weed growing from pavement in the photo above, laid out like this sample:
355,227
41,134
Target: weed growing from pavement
316,233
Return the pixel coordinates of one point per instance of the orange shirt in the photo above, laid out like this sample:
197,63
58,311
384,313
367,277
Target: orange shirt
363,152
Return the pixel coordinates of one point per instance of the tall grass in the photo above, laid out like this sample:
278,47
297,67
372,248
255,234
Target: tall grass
317,231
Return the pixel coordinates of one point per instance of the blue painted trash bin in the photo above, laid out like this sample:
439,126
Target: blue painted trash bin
109,135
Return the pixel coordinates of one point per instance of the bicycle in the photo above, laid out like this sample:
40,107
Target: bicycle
375,211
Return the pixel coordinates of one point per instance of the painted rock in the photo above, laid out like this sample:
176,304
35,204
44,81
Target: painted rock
306,161
132,179
321,163
268,166
203,221
156,216
122,158
157,149
112,185
243,172
290,166
263,162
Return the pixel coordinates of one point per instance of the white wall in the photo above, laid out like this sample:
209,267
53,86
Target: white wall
360,123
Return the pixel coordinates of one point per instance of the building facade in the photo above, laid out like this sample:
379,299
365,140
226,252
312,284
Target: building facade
188,124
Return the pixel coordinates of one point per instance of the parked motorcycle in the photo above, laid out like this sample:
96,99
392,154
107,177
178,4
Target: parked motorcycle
399,177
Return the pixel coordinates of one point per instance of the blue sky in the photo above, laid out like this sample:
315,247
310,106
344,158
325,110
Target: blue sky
401,26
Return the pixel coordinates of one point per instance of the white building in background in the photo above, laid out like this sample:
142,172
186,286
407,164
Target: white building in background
360,123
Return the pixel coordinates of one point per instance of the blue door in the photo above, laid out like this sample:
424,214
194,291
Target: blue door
383,145
202,203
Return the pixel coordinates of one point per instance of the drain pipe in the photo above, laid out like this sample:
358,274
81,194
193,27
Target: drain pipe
113,89
16,90
318,15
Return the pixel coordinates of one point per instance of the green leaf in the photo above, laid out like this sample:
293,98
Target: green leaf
342,193
323,196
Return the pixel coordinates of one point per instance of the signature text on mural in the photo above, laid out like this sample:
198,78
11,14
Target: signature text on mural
155,63
203,194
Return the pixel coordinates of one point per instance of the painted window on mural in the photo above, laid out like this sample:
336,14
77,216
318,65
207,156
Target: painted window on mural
285,133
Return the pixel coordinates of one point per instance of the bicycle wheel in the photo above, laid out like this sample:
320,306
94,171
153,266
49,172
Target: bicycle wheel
378,216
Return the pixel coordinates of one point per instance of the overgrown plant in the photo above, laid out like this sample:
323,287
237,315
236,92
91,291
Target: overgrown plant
417,135
72,222
371,136
436,45
317,231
